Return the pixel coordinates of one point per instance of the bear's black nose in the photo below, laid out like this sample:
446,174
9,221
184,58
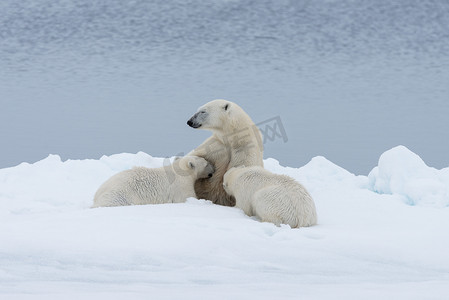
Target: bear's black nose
190,123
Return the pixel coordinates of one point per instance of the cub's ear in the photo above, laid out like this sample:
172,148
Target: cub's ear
177,158
191,165
226,106
241,166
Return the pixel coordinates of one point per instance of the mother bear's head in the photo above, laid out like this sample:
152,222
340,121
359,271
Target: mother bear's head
220,116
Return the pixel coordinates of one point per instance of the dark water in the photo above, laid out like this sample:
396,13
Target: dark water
348,79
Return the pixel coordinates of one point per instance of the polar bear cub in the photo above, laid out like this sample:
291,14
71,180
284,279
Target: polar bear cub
274,198
140,185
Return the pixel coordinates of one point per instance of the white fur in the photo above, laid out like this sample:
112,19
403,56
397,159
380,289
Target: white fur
278,199
139,185
235,141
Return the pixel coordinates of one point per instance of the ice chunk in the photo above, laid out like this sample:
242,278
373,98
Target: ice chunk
400,171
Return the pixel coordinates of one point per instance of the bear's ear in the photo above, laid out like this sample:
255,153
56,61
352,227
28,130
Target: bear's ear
226,107
177,158
191,165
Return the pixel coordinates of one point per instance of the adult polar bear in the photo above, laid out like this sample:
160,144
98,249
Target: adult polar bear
235,141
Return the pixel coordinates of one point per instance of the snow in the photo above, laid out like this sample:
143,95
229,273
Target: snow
382,235
402,172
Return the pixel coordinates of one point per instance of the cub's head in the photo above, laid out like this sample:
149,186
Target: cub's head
218,116
194,165
230,178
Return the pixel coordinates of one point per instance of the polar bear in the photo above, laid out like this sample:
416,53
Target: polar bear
139,185
274,198
235,140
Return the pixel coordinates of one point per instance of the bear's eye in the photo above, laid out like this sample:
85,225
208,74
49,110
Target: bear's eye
226,107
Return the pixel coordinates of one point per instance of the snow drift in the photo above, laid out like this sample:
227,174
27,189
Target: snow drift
378,235
404,173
